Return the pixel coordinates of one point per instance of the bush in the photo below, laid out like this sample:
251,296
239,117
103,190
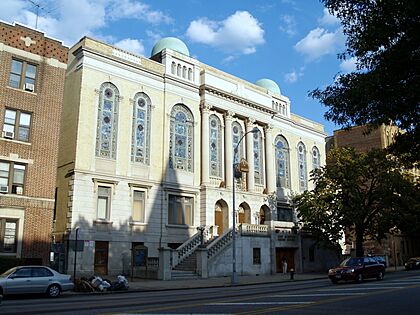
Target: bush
8,262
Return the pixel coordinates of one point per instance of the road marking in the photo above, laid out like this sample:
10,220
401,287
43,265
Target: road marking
260,303
317,294
360,288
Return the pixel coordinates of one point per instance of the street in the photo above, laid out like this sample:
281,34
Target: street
398,293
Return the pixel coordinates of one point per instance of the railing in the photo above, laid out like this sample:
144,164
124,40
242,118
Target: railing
254,229
189,246
220,243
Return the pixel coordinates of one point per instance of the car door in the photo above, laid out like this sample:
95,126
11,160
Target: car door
371,267
19,281
41,279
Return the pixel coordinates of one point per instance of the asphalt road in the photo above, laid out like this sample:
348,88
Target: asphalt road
398,293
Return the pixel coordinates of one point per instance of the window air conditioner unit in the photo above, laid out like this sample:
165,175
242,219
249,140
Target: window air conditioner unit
4,189
19,190
29,87
8,134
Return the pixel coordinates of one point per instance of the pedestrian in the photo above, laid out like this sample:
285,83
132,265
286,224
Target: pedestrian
284,262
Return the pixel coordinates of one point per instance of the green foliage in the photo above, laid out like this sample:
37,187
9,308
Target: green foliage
8,262
384,38
364,192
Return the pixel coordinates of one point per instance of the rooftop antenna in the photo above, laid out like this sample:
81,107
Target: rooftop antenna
38,8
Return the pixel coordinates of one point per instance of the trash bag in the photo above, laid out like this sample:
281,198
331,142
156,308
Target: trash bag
120,284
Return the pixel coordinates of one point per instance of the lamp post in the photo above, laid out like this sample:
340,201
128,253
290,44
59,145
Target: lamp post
234,278
75,254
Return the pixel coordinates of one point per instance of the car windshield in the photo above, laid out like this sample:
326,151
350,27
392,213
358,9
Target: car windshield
8,272
351,262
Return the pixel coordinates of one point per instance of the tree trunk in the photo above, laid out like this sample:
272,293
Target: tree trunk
359,242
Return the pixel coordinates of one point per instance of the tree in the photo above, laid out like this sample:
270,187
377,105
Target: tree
366,193
384,37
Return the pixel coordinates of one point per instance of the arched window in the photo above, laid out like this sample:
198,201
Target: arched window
173,67
316,162
236,137
178,70
184,72
140,143
282,163
190,74
258,159
303,183
106,131
215,146
181,143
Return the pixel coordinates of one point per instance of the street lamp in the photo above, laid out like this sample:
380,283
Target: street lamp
234,278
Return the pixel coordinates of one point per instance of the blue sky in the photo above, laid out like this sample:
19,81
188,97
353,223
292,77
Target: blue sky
292,42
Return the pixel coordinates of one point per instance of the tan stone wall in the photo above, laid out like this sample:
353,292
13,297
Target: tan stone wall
41,152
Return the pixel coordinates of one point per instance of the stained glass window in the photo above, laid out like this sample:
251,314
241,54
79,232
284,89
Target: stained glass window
215,146
140,145
181,142
316,162
236,137
282,163
303,184
258,159
106,135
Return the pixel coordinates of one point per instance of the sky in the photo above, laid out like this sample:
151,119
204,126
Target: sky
292,42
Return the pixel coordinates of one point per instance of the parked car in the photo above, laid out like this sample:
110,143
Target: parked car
357,269
412,263
34,279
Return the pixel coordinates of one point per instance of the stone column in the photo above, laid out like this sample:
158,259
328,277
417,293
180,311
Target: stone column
270,169
228,150
164,264
250,154
205,154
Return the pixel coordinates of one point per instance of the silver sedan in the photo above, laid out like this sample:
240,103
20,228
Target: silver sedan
34,279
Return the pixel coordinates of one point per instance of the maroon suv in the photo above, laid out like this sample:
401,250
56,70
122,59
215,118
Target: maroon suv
357,269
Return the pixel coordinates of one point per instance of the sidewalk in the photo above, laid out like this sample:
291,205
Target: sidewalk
144,285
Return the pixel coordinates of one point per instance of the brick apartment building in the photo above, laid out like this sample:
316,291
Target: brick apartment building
397,248
32,72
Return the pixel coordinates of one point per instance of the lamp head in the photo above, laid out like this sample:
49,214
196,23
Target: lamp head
255,130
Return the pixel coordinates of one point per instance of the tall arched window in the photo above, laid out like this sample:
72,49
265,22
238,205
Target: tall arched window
303,183
316,162
215,146
190,76
106,131
181,143
140,143
236,137
178,70
282,163
258,159
173,67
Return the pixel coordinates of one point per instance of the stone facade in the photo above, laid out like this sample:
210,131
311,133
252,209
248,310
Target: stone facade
182,166
29,151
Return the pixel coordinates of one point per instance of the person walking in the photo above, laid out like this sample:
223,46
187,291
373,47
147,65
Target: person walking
284,262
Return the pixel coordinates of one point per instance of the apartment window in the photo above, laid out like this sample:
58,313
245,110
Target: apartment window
16,125
180,210
104,202
138,206
256,256
8,235
22,75
12,177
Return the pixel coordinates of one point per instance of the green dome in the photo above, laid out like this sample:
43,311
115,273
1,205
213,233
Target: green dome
269,85
171,43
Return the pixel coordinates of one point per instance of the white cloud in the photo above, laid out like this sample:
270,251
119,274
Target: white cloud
289,25
136,10
348,65
320,42
294,75
328,19
132,45
239,33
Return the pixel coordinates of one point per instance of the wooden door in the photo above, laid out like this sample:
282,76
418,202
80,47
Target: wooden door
289,253
101,258
218,220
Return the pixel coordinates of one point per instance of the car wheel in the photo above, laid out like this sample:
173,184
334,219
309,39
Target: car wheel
359,278
53,291
380,275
